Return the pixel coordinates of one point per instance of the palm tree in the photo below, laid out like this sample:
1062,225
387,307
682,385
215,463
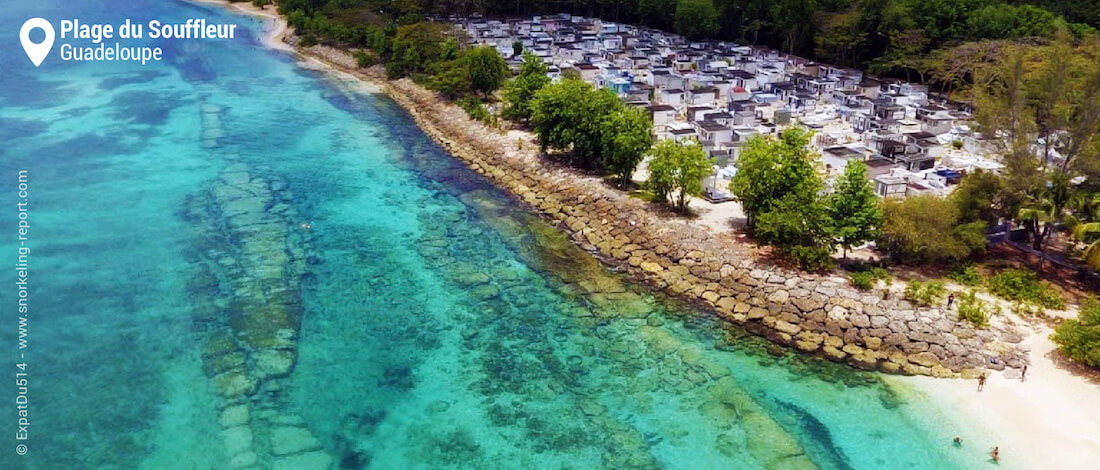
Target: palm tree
1085,233
1046,210
1086,228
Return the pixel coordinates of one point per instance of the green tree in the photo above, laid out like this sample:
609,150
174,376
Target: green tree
779,193
853,208
657,13
696,19
839,38
980,196
1045,211
680,169
519,91
415,48
1004,21
1080,338
1090,233
798,226
487,69
569,116
517,48
905,54
927,229
555,113
627,137
769,168
452,79
794,22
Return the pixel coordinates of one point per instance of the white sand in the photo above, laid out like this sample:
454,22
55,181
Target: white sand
274,37
1051,421
274,33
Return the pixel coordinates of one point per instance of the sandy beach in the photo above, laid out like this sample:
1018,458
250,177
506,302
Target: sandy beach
273,34
1050,421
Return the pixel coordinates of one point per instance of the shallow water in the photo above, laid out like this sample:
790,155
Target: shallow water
433,323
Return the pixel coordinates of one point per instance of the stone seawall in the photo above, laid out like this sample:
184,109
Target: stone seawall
817,314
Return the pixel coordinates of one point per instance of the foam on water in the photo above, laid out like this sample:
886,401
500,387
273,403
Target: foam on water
441,326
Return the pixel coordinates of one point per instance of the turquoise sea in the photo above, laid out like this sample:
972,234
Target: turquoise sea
238,262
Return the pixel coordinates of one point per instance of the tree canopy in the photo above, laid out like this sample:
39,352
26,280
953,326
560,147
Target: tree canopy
928,228
769,168
853,208
627,138
891,36
696,19
592,127
676,171
519,91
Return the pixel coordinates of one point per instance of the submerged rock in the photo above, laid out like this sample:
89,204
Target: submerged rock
286,440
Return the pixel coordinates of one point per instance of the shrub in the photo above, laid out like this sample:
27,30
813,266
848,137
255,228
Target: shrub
974,310
865,280
1024,285
1080,338
812,257
364,59
957,144
966,275
474,108
925,293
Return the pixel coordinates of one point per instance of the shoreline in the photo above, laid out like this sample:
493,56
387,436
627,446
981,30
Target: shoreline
1042,423
274,38
819,314
1047,421
738,285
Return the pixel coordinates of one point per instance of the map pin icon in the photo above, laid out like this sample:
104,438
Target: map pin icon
37,52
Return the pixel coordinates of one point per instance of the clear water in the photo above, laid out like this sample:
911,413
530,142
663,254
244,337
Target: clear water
437,324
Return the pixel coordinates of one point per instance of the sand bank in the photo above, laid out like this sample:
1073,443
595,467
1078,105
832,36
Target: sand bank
1049,421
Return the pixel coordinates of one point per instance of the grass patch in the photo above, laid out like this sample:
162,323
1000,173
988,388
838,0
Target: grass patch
645,195
474,108
867,279
925,293
966,275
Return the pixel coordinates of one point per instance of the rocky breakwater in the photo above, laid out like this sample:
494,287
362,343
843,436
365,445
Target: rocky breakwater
252,253
813,313
550,352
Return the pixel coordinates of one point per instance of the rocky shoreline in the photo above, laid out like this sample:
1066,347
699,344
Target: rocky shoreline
818,314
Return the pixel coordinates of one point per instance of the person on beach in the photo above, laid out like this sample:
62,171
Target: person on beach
1023,374
995,454
981,381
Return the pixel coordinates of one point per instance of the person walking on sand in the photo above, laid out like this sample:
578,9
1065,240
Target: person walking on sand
995,454
981,381
1023,374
